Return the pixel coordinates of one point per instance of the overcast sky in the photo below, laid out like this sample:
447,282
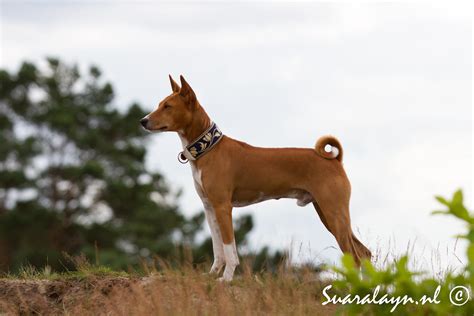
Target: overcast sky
392,81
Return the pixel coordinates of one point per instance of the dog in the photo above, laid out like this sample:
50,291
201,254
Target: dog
229,173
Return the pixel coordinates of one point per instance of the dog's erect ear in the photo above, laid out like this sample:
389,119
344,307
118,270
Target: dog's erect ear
187,93
174,86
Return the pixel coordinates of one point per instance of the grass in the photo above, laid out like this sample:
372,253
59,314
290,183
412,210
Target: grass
187,290
93,290
45,274
163,288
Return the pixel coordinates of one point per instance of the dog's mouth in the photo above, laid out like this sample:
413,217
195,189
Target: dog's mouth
157,130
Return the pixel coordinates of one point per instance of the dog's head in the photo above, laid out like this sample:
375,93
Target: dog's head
175,111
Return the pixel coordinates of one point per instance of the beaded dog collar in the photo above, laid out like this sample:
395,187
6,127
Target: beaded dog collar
202,144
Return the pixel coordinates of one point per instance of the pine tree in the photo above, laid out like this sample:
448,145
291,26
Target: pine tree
72,173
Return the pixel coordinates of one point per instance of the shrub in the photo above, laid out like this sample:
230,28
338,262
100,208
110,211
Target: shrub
398,290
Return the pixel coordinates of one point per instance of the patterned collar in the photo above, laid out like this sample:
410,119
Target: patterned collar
202,144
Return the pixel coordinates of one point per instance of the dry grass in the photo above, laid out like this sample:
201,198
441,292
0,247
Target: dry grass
186,291
97,290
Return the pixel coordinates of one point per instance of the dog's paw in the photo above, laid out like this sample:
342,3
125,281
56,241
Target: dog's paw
224,280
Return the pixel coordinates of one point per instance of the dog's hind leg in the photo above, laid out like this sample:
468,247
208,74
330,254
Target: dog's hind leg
335,216
363,250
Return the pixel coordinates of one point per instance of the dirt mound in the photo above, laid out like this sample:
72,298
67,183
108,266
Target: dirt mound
175,293
58,296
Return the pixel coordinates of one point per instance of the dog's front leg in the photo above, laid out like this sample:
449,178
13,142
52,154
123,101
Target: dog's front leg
217,244
231,261
224,218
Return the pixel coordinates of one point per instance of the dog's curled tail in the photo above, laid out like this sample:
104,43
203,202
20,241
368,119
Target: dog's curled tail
333,151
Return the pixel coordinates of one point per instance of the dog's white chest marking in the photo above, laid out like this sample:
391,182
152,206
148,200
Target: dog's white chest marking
197,178
217,243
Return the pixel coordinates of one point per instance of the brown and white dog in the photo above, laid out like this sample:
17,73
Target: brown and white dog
235,174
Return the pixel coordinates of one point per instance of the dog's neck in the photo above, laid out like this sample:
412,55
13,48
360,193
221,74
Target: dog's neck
199,123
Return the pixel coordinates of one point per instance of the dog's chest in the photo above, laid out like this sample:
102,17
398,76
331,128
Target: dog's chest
197,177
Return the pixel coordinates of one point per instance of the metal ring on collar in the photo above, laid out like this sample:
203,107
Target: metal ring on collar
182,158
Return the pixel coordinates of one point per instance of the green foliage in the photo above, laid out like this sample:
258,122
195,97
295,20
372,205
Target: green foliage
73,177
72,173
397,281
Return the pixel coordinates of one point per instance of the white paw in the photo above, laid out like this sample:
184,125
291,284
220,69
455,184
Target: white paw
224,279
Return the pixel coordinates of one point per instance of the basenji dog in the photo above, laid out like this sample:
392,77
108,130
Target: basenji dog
229,173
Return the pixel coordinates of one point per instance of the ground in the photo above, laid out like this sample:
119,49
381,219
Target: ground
175,292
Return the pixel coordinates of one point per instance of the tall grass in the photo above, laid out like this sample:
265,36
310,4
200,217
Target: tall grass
93,290
164,288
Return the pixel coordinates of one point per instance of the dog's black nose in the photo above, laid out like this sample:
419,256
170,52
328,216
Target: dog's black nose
144,122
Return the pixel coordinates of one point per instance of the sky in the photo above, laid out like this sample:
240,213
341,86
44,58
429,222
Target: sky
391,80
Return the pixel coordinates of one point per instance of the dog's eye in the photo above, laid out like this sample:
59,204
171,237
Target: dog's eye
167,106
